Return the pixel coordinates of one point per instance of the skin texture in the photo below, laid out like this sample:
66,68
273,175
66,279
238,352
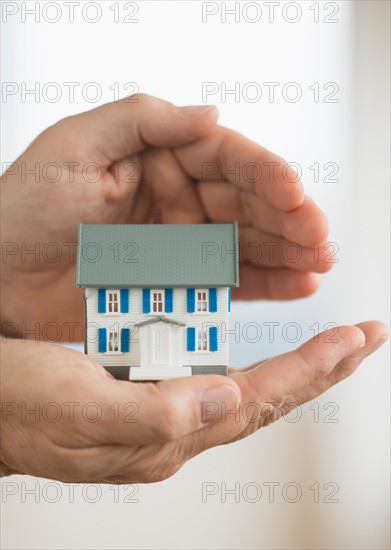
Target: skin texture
149,153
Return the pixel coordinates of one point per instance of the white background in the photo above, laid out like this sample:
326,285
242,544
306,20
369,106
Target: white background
169,53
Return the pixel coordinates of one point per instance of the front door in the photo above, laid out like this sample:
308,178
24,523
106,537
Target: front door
161,342
161,353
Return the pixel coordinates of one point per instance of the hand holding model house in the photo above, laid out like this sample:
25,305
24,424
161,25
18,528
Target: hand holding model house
113,165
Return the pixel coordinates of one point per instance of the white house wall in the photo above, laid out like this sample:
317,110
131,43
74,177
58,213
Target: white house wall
97,320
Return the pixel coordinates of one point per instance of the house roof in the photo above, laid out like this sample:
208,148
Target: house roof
161,255
158,319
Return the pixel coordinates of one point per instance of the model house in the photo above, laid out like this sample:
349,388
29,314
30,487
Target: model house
157,297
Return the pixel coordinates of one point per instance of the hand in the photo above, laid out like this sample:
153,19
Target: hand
89,427
114,164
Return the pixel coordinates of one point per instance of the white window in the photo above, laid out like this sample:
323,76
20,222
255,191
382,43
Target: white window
201,300
113,341
202,340
157,298
112,301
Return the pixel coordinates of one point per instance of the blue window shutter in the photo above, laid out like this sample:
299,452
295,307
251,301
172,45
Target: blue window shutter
101,300
124,295
213,339
168,300
102,340
213,300
125,339
190,339
229,299
146,300
190,300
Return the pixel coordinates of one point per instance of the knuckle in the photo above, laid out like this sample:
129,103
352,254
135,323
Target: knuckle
172,418
141,98
314,368
144,101
322,368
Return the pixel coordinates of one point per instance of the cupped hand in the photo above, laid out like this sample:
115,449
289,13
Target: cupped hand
65,418
114,164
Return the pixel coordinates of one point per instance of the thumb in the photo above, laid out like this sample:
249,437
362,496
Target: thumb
149,413
118,130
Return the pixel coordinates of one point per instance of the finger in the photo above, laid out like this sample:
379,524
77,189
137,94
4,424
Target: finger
274,284
376,333
120,129
169,187
141,414
305,225
224,155
251,367
298,376
124,184
224,203
164,184
277,386
262,249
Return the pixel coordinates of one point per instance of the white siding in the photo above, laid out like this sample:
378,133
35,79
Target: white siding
136,315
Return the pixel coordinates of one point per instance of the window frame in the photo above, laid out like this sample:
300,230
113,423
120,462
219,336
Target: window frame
199,338
197,301
111,331
108,301
152,301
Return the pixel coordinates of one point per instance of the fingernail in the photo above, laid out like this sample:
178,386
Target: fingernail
195,109
360,337
219,401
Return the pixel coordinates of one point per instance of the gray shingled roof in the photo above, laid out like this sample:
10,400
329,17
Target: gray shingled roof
162,255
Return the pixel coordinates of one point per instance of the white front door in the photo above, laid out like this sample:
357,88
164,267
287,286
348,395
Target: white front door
161,344
161,353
